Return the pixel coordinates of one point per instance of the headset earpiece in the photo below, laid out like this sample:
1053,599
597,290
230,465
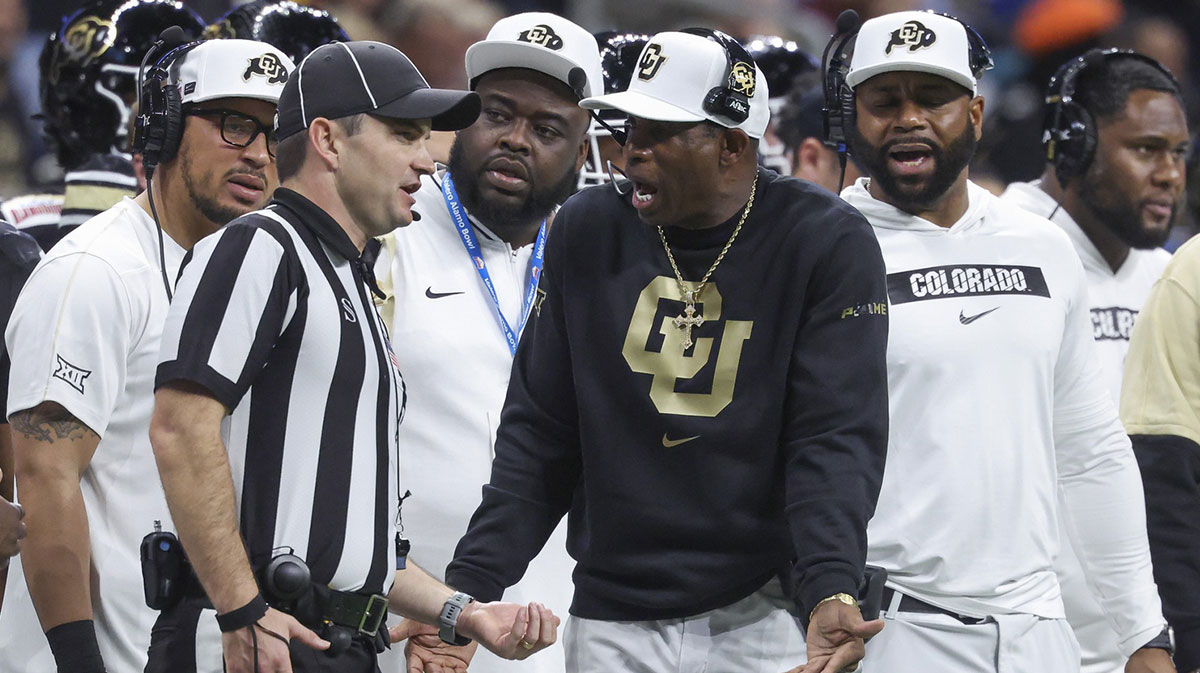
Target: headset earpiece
838,112
1069,131
979,56
732,100
159,127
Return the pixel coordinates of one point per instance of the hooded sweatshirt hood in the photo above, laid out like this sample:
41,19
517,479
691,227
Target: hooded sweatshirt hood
887,216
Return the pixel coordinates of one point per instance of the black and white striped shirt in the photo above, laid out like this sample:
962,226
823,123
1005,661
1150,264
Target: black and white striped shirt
273,316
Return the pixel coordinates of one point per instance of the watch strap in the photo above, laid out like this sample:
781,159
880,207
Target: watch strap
1163,641
448,620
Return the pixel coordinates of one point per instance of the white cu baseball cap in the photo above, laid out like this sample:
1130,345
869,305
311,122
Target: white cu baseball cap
543,42
231,69
912,42
675,73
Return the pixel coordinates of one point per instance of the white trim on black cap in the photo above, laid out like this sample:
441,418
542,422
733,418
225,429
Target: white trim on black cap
300,90
361,76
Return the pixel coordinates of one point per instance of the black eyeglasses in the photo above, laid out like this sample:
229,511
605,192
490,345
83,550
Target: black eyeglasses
239,129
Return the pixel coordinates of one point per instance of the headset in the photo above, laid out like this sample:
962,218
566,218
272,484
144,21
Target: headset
838,113
160,121
160,108
1069,130
732,100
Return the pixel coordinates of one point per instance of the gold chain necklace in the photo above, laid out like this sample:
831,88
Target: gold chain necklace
688,319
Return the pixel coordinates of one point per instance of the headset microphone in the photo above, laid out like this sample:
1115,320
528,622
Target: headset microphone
848,21
624,185
577,80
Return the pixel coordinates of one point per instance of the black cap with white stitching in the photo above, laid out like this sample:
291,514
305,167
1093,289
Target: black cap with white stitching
341,79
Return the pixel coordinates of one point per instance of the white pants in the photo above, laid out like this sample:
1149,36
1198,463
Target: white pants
932,643
754,635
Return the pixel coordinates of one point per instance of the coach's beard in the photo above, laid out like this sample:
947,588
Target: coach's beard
501,217
948,163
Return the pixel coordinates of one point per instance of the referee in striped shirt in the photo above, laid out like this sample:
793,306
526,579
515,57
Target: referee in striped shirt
276,370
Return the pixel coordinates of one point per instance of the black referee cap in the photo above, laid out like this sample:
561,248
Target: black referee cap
341,79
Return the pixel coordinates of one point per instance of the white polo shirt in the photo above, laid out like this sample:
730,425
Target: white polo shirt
85,334
1114,298
456,365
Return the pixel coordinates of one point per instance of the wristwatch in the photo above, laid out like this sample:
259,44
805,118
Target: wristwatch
448,620
1163,641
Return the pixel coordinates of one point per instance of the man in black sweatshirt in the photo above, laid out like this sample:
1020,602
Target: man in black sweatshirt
701,389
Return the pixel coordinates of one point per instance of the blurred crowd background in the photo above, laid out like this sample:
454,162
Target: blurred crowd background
1029,40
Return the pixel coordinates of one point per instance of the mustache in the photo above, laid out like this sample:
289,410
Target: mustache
260,174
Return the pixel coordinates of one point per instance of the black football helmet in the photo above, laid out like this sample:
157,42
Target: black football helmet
88,72
293,29
781,61
619,52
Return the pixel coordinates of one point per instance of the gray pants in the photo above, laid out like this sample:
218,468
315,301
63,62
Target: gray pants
933,643
754,635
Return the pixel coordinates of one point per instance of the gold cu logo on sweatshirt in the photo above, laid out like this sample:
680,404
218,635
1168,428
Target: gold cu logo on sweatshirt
671,363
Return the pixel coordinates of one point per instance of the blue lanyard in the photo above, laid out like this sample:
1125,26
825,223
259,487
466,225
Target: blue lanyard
467,235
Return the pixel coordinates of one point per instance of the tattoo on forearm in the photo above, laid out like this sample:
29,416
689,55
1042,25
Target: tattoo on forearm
42,427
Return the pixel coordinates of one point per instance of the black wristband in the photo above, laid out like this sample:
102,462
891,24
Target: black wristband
244,616
75,648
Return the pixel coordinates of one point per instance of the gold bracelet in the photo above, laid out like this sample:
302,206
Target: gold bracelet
844,598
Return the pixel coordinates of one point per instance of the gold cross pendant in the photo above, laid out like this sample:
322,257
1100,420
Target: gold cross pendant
687,320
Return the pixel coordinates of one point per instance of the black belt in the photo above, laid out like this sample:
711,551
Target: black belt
362,612
910,604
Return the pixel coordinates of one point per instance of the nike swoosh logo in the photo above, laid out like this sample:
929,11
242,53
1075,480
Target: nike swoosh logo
671,443
438,295
967,320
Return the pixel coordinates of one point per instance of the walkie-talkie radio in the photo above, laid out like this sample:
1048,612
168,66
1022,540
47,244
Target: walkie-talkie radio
165,568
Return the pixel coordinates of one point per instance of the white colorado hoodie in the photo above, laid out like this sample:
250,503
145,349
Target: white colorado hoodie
996,396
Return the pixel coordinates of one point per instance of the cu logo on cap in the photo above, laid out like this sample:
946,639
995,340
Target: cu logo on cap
542,35
267,65
652,60
913,35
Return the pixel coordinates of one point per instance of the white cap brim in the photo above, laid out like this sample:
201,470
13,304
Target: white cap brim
638,104
861,75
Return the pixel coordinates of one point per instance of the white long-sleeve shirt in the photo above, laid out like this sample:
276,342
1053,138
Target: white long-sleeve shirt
996,401
1115,298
